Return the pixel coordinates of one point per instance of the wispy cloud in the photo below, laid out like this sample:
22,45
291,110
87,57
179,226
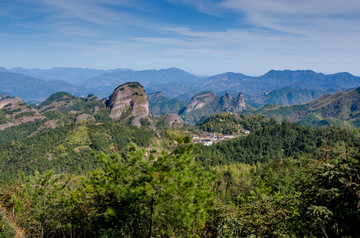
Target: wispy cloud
298,17
93,11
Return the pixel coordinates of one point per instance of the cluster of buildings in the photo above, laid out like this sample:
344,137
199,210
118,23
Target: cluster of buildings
213,138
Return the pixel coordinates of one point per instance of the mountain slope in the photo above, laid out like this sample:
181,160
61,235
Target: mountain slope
288,96
160,104
13,111
340,109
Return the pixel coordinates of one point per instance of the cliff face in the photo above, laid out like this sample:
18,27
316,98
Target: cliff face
201,100
208,103
240,104
129,101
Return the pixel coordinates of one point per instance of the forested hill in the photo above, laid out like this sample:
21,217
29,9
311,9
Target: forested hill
340,109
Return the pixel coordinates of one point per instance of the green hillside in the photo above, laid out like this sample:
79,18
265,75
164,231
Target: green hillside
160,104
340,109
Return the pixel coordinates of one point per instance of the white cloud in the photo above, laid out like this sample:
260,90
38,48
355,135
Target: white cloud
95,11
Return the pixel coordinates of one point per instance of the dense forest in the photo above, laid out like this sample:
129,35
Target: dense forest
105,178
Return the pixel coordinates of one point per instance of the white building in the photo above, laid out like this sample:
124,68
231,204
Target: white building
206,142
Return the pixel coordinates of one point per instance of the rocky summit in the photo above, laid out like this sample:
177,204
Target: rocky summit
13,111
129,102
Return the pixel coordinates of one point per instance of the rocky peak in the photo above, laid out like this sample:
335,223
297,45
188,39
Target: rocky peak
92,97
3,95
227,94
15,112
230,104
129,101
240,105
5,100
226,101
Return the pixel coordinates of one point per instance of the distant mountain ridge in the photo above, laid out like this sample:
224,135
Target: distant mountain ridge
32,89
76,76
102,85
275,79
282,86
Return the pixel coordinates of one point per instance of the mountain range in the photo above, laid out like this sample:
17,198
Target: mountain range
339,109
275,87
273,80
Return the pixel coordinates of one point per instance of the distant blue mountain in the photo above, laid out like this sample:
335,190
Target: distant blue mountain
76,76
271,81
102,85
31,89
300,85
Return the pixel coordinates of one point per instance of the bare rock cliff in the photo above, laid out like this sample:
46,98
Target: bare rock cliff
200,100
240,104
129,102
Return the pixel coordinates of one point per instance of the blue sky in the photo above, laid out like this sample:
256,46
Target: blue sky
199,36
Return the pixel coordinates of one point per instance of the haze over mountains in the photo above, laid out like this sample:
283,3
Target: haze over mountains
276,87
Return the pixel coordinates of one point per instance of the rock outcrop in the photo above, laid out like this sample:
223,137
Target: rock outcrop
240,103
201,100
13,112
129,102
208,103
174,121
230,104
4,101
84,117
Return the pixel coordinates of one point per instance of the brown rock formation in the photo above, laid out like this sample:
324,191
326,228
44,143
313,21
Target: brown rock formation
174,120
129,101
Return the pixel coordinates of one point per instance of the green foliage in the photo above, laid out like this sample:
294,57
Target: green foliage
19,132
226,123
25,114
222,123
164,196
330,199
160,104
6,231
58,97
131,195
65,148
10,111
3,118
285,139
